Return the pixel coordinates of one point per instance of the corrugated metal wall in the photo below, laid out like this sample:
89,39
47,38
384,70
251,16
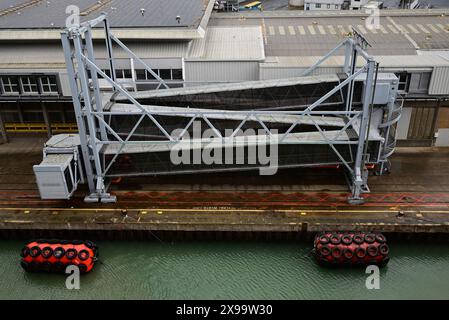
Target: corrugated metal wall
221,70
282,72
422,126
439,83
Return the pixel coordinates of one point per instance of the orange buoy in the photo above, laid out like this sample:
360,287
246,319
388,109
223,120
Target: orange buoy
57,255
351,248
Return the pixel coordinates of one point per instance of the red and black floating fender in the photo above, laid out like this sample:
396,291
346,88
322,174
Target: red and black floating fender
55,255
351,248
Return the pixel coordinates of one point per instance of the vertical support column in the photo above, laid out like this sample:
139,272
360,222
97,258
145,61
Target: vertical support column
348,56
46,119
20,111
109,50
3,129
78,110
359,177
98,106
100,193
87,111
352,68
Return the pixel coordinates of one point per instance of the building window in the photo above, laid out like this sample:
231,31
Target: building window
328,6
123,74
49,85
404,81
176,74
317,5
336,6
10,84
165,74
144,75
29,85
106,72
141,74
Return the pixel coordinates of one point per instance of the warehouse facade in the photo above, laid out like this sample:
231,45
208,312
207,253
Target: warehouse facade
225,47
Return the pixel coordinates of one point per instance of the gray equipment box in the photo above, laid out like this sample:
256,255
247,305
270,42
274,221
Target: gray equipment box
386,87
59,173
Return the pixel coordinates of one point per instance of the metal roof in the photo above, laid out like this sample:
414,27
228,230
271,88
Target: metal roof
158,13
43,19
228,43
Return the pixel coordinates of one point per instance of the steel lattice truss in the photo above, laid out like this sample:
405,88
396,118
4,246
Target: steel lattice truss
97,132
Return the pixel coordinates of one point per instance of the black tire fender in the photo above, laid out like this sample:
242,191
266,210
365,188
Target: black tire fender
71,253
35,251
47,252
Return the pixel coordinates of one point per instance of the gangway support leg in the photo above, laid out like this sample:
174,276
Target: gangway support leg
101,195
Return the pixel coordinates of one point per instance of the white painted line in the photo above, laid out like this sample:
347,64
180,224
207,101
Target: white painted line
420,26
402,29
414,30
281,30
341,29
301,30
442,27
432,27
383,30
321,29
362,29
393,29
331,29
271,31
291,30
311,29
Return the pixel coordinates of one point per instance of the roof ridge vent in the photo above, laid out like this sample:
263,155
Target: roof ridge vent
18,7
97,6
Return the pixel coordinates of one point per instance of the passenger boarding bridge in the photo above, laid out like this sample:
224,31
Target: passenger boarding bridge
346,119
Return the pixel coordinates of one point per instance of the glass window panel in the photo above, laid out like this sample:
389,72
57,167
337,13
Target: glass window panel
165,74
141,74
10,84
29,84
177,74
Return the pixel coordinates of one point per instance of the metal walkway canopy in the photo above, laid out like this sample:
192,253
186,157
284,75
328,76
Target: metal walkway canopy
312,120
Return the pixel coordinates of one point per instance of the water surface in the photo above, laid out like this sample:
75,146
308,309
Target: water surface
229,270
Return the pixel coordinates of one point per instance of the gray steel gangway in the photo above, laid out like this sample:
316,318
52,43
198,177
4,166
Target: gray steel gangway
101,144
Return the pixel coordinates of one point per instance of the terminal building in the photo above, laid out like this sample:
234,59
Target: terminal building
188,44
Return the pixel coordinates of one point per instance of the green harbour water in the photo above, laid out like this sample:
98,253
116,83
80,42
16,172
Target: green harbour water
230,270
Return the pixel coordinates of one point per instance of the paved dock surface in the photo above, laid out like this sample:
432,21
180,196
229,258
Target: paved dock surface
413,198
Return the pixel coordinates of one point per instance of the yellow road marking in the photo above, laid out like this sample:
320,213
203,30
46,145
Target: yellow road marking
221,210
